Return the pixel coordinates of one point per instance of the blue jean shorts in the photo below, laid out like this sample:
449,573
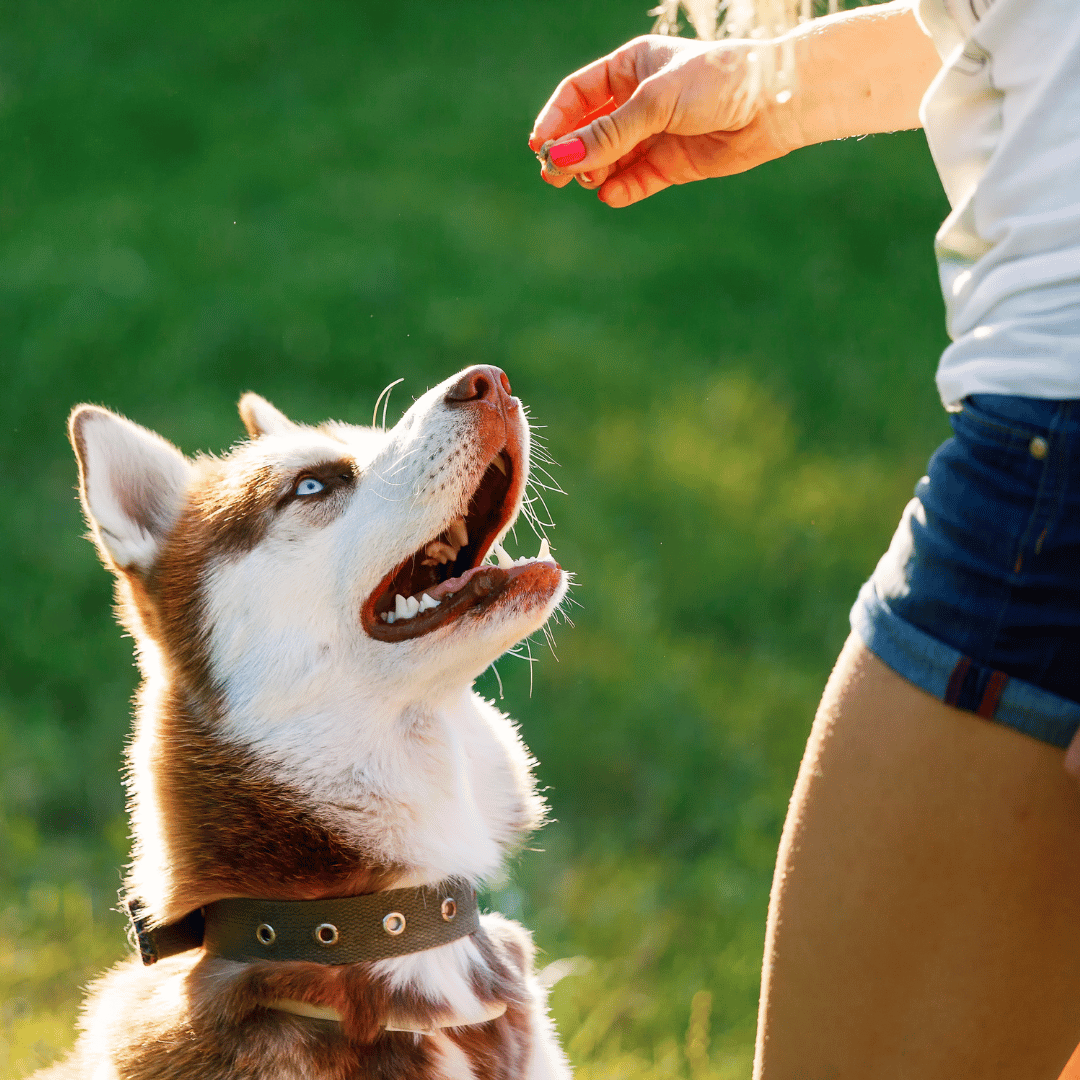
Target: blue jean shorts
977,600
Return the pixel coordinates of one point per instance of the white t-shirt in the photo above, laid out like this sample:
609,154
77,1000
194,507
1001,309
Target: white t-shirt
1002,118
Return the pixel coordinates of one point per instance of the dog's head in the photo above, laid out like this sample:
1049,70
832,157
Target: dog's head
313,567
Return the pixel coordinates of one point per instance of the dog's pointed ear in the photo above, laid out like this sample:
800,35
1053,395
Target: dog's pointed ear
132,484
261,418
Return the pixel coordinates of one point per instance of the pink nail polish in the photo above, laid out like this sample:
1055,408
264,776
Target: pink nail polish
567,153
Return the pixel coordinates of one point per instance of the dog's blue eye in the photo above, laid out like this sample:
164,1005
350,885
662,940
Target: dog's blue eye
309,486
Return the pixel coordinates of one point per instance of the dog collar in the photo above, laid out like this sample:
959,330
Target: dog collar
348,930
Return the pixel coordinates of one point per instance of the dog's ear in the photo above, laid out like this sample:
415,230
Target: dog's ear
132,484
261,418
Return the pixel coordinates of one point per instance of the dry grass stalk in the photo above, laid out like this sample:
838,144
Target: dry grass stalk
757,20
715,19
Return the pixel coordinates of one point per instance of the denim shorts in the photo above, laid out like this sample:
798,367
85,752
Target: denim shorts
977,600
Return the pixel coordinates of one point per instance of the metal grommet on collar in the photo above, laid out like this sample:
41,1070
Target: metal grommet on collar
326,934
368,927
265,934
1038,448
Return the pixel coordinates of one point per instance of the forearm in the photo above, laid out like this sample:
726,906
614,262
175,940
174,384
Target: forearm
861,72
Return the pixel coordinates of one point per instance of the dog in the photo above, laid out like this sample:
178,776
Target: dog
314,788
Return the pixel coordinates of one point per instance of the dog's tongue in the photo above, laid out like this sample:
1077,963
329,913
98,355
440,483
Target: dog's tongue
452,585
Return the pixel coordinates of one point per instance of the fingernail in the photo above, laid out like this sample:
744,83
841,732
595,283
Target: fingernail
567,153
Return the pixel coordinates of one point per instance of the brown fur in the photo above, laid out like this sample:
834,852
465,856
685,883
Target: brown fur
229,828
500,1049
193,1017
259,840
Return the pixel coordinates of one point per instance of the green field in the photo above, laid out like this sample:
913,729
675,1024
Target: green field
310,200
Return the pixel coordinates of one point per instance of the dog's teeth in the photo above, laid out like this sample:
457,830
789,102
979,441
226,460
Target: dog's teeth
390,617
401,608
544,554
426,603
413,605
500,464
459,534
441,551
505,562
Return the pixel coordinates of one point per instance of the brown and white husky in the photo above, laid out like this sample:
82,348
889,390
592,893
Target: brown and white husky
309,613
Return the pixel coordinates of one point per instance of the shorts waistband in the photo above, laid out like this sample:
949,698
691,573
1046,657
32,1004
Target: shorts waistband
1037,413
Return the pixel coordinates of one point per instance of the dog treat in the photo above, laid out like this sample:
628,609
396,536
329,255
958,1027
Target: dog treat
549,165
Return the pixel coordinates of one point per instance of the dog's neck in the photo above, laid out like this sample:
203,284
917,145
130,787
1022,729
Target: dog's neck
370,800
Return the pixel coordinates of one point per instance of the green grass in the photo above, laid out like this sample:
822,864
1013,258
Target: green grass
736,377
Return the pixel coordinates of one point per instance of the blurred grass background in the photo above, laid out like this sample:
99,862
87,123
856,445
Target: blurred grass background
311,200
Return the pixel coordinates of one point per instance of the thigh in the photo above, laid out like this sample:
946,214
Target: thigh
923,922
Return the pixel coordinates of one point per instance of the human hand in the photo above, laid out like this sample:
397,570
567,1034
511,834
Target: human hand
662,111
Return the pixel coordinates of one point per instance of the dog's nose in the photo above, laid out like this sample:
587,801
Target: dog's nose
481,383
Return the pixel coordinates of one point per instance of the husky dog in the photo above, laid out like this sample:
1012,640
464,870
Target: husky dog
314,788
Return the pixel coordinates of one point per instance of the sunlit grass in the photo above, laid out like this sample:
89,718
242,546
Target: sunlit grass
53,940
311,201
687,731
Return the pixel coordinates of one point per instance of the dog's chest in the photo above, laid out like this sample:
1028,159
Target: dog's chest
439,791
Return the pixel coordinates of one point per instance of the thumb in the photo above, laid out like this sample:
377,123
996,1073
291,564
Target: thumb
613,135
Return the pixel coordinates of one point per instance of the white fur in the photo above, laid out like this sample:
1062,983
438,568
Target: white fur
454,1065
151,869
262,418
133,485
384,741
546,1061
388,740
444,970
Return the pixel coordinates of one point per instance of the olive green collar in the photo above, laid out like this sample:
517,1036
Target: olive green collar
348,930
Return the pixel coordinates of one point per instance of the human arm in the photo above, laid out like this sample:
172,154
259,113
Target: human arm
665,110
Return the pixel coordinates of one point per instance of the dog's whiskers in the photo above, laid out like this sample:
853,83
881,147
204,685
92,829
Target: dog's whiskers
333,767
384,393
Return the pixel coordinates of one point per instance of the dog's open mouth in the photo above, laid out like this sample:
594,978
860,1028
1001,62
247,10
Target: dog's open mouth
447,576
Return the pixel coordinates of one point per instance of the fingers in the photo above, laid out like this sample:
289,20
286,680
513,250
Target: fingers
632,184
613,135
601,86
556,177
590,181
593,180
556,180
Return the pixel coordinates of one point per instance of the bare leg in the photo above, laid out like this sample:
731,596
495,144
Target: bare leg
924,914
1072,1069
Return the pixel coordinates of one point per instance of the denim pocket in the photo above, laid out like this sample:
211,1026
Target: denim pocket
1010,436
988,560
